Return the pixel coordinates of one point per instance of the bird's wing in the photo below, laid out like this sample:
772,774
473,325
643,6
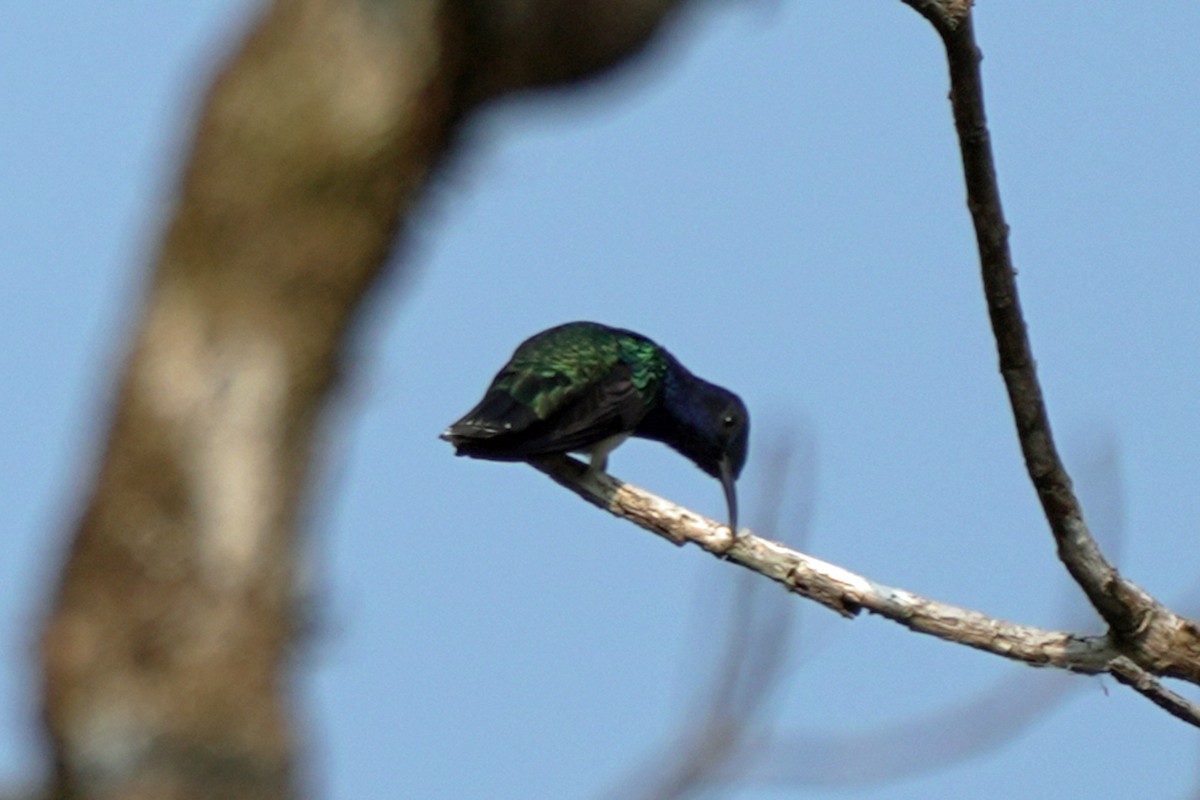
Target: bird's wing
526,413
592,413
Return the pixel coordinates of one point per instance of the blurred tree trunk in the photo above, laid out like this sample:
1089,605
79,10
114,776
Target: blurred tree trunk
166,670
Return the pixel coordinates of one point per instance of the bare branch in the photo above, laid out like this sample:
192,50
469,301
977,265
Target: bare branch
1155,637
833,587
1133,676
847,593
1121,603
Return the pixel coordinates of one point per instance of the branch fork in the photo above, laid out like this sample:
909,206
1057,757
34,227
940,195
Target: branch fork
1145,641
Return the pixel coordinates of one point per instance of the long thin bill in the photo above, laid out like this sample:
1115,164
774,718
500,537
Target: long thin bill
727,483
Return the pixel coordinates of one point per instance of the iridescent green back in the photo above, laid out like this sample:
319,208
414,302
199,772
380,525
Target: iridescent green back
549,369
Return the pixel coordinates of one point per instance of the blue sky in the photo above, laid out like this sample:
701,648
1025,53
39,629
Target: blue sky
774,194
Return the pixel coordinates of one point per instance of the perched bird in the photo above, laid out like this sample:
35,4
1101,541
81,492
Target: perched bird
586,387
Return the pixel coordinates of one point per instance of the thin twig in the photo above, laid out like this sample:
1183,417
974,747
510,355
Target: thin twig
1141,681
1128,609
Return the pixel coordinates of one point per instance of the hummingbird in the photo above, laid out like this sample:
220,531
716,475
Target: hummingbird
584,387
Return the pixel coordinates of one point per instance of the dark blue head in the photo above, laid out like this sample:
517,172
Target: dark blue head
705,422
725,436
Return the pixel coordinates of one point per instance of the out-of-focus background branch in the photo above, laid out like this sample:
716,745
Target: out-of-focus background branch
166,654
772,192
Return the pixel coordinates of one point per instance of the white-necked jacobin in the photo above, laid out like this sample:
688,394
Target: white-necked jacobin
586,387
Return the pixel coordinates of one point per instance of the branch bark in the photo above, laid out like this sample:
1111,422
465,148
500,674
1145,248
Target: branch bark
848,594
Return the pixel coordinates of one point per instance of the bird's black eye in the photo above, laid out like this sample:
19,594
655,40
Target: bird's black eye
729,421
